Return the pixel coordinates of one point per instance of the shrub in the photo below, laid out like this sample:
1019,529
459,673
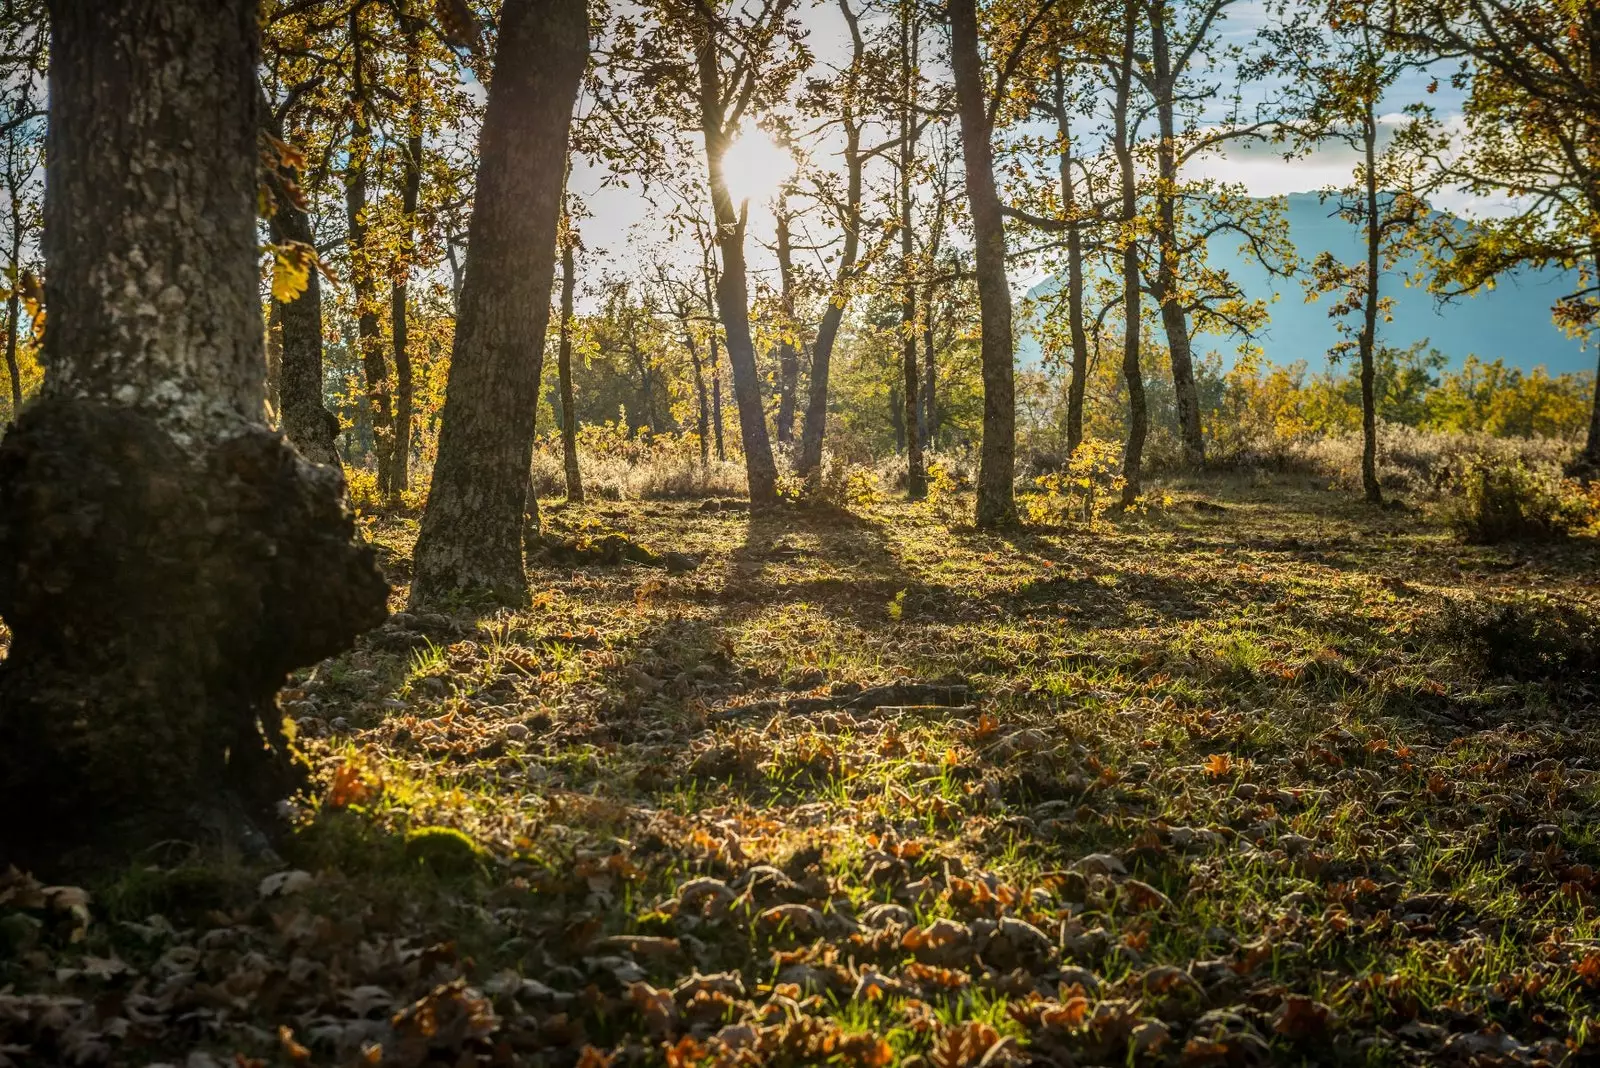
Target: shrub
1084,490
1529,639
1515,502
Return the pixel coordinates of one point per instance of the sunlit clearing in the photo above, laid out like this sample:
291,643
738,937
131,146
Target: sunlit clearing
756,167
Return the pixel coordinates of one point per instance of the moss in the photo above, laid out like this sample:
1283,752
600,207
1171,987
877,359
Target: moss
444,851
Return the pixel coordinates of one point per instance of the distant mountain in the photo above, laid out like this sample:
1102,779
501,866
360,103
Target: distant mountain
1510,322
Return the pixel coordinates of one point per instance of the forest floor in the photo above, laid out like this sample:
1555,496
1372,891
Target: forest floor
1264,778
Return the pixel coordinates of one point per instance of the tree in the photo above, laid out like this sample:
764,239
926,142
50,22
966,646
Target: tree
910,128
146,511
21,159
569,411
1341,66
996,505
471,537
1532,117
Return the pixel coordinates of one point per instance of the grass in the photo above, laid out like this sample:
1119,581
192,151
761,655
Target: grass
1241,769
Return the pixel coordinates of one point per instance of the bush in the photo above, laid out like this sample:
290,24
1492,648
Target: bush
1514,502
1085,490
1528,639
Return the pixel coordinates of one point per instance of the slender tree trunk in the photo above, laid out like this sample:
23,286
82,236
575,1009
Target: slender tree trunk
930,412
399,297
1078,379
1367,340
997,459
362,281
306,421
816,423
788,350
1174,319
733,298
1132,372
569,409
916,473
165,559
274,363
471,538
715,363
702,401
13,370
897,416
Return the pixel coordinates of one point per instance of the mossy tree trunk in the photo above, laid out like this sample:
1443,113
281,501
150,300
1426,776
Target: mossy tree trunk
165,559
471,538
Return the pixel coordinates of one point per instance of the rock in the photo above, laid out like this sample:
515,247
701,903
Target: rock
885,915
1101,864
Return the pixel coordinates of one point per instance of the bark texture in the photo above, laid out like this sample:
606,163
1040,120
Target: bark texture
1367,339
1078,377
916,474
157,541
399,289
788,350
997,460
1132,372
471,538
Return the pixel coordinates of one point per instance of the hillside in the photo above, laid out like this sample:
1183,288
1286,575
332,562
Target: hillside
1511,322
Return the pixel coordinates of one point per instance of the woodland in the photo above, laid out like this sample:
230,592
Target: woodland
750,532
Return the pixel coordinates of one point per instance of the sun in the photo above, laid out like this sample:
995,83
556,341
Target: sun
755,166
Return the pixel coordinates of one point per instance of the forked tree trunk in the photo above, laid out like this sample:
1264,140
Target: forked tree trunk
165,559
569,411
733,293
306,421
471,538
997,460
1174,319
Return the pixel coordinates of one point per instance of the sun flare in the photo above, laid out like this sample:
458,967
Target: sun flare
755,166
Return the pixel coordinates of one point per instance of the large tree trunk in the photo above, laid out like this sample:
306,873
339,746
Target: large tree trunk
1132,372
471,539
788,350
363,283
916,474
306,421
1367,339
733,296
1174,319
997,459
569,410
1078,379
165,559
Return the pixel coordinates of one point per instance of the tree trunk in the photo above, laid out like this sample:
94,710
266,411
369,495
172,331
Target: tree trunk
916,474
1174,319
471,538
569,410
306,421
930,412
1133,374
1588,461
1078,379
703,404
788,351
715,363
997,459
374,365
165,559
897,416
410,191
816,423
1367,340
733,298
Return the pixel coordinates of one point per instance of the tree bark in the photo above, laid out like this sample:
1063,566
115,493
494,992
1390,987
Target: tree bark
715,363
362,281
1133,374
816,422
1588,461
788,351
569,410
930,411
1078,378
1174,319
1367,339
13,370
165,558
702,399
916,474
471,538
733,297
306,421
997,459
